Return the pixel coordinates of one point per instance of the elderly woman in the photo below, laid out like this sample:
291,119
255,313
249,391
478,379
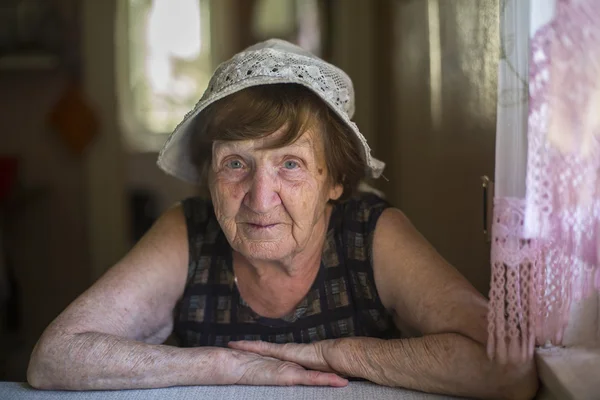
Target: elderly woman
286,274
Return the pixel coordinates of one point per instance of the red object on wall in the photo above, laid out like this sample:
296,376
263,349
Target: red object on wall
8,175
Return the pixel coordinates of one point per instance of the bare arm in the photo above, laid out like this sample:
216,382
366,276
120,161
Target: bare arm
109,338
422,290
96,361
432,296
445,363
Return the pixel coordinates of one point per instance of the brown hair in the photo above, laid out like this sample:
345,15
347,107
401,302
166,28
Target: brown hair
258,111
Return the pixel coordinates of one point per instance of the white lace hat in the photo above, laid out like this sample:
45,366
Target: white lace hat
272,61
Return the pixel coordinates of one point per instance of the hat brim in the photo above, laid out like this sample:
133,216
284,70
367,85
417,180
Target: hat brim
175,156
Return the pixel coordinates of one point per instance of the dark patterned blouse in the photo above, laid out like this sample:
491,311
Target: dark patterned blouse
342,301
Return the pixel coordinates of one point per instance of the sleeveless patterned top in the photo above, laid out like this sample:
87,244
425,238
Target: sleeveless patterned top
342,301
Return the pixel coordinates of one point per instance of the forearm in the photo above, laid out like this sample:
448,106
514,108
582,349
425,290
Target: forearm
95,361
442,363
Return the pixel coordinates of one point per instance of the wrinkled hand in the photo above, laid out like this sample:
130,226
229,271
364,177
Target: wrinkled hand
255,369
312,356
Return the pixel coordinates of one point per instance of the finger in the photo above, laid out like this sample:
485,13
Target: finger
247,345
263,348
303,354
316,378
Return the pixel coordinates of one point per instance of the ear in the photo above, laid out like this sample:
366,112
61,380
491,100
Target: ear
335,192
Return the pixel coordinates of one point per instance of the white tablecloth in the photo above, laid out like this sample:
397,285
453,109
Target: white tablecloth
355,390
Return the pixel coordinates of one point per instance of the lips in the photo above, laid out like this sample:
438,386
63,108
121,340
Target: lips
261,225
261,231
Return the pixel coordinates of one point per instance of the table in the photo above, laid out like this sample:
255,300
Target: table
355,390
570,372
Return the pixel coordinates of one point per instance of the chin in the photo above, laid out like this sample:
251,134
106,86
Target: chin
267,250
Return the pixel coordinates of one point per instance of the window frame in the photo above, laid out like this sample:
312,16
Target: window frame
135,136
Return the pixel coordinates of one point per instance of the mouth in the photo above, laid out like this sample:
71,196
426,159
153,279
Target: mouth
261,226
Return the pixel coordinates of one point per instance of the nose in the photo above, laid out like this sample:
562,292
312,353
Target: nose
263,194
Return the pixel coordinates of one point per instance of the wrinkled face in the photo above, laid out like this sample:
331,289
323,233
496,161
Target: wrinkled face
270,201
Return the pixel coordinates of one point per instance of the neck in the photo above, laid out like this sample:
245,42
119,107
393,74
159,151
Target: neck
274,288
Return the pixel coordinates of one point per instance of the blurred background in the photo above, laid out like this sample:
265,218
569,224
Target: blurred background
90,89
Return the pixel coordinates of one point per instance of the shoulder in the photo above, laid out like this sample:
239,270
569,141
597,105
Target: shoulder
364,209
203,229
393,223
419,285
394,233
196,209
199,216
356,222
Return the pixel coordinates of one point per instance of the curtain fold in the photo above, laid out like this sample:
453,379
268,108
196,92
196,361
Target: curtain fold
514,260
546,226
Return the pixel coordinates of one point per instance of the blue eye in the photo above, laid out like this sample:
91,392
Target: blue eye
290,164
235,164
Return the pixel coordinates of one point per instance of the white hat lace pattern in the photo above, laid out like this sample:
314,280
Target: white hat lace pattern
269,62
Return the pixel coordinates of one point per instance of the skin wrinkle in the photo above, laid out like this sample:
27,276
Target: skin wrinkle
404,363
136,361
261,190
302,187
99,349
404,351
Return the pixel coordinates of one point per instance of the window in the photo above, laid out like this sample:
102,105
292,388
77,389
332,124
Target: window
164,64
165,60
297,21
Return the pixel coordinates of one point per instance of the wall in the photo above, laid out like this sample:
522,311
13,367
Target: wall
353,51
445,80
71,223
427,108
47,234
105,165
143,173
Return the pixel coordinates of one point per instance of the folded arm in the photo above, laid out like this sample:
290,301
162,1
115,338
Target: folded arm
110,337
446,363
423,291
97,361
420,288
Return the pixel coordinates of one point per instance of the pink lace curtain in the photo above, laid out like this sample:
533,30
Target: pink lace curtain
546,228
